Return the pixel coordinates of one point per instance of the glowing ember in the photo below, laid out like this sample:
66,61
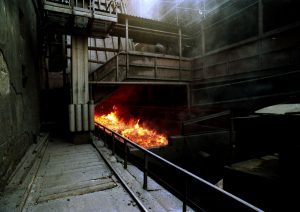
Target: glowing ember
132,130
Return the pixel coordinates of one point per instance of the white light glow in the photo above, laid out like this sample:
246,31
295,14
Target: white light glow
145,8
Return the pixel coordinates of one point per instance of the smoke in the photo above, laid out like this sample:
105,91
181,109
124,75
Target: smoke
144,8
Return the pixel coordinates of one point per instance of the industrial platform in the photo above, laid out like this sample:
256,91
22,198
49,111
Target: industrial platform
68,177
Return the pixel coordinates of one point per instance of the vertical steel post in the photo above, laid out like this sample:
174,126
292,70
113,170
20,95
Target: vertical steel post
184,205
127,47
145,185
188,91
125,154
155,67
260,31
119,44
127,36
113,143
180,51
202,39
105,136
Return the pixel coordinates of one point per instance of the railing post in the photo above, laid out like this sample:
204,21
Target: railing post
155,67
145,185
125,154
105,136
113,143
184,205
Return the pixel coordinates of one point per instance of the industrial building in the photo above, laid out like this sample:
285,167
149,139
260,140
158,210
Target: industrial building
139,105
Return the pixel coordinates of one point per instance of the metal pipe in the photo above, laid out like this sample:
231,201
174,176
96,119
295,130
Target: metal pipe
71,117
137,83
85,117
127,46
78,122
91,115
180,51
127,35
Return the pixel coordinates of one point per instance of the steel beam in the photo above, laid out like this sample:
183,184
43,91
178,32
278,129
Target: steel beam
136,83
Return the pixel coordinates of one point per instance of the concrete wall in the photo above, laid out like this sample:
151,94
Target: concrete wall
19,96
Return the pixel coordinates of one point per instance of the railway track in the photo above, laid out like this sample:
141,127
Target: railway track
124,184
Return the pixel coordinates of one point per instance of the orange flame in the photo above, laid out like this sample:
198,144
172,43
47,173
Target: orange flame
142,135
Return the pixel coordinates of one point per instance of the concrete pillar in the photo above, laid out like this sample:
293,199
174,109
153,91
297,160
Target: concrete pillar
80,70
80,89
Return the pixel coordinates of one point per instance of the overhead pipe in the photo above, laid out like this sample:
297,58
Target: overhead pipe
136,83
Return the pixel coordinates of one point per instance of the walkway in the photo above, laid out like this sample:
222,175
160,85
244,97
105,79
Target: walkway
67,177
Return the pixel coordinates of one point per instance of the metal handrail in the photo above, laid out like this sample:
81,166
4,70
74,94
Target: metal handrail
186,173
133,53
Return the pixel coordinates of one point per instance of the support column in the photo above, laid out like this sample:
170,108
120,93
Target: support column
127,46
180,51
127,36
119,44
260,31
202,40
188,93
80,69
80,87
